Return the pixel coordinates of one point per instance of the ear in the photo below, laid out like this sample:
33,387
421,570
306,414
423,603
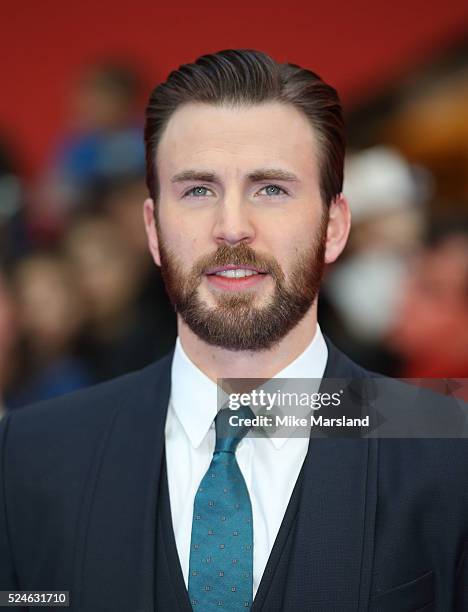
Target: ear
151,231
339,224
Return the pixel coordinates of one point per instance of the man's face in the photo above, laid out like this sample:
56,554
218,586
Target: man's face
241,227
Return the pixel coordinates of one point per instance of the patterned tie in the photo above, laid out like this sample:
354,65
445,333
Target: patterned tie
221,550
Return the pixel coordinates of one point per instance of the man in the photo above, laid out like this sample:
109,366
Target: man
120,494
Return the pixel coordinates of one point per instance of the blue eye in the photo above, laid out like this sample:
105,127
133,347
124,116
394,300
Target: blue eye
197,192
272,190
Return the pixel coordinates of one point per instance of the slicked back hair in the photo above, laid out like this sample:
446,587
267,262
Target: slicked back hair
240,77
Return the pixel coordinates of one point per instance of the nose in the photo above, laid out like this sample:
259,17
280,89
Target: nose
233,223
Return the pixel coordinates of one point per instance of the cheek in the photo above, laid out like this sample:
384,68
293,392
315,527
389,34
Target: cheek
187,233
284,249
183,242
289,238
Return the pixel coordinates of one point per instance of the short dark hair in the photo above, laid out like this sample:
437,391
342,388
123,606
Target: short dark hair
238,77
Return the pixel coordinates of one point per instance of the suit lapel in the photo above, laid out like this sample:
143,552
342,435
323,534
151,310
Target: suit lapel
329,555
114,561
332,528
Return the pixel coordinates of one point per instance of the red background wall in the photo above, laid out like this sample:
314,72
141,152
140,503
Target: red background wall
357,46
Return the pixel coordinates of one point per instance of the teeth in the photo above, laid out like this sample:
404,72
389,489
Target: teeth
236,273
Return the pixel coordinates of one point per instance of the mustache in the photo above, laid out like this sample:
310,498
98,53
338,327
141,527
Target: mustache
238,255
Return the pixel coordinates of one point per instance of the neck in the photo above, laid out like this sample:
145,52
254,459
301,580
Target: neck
217,362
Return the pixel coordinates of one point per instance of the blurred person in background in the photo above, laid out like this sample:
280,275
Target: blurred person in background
8,337
50,317
104,141
120,200
358,304
119,336
430,331
14,239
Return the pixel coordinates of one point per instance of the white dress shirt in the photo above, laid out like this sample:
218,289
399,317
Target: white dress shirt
270,466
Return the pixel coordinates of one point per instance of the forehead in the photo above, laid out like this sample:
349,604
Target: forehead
236,138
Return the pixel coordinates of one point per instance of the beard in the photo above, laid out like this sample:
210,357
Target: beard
235,322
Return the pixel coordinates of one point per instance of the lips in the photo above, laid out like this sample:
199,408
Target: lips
234,271
235,277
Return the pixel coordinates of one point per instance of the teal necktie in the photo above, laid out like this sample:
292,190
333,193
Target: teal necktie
221,549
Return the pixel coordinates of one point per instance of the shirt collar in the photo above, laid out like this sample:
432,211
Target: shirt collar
194,395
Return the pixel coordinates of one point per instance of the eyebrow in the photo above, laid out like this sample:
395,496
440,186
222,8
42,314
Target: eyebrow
195,175
272,174
262,174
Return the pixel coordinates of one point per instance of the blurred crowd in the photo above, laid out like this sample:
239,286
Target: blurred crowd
397,300
80,298
82,302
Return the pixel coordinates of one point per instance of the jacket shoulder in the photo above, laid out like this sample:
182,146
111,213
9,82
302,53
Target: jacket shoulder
339,365
75,417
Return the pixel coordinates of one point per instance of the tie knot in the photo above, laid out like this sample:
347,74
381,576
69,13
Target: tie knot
230,431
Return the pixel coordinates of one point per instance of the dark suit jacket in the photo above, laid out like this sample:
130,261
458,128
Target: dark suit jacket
378,525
